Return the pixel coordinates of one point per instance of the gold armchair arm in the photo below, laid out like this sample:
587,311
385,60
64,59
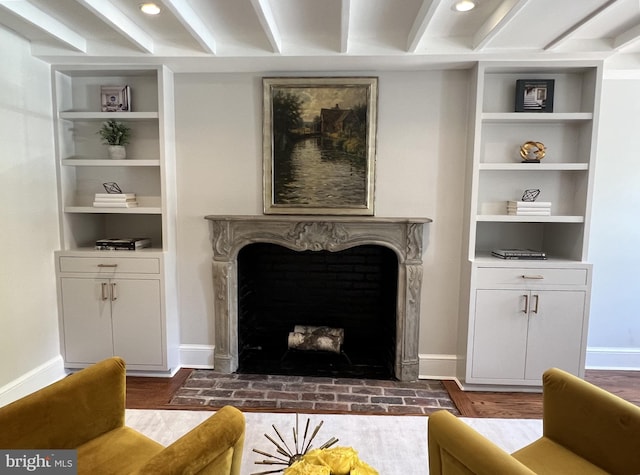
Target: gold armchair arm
591,422
457,449
213,447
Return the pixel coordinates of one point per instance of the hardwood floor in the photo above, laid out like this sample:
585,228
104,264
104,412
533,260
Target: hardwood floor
155,393
625,384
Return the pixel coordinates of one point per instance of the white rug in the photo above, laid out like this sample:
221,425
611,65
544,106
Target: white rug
394,445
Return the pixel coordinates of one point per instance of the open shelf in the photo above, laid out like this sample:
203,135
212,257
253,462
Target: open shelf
93,210
521,316
83,159
498,166
504,218
100,116
98,162
535,117
139,320
484,258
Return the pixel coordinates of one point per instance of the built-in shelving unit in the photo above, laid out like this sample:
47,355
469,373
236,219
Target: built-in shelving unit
498,345
114,302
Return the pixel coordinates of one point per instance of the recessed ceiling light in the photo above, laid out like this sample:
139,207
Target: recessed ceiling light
464,5
150,8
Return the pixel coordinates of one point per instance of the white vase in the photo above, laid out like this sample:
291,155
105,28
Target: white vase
117,152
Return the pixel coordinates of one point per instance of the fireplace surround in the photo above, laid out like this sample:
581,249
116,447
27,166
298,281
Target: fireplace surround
229,234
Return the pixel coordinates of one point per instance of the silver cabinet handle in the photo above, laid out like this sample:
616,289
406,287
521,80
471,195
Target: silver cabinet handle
526,304
537,297
107,265
105,292
114,294
534,276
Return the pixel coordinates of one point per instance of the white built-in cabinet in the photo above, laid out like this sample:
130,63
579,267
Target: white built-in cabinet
520,317
116,302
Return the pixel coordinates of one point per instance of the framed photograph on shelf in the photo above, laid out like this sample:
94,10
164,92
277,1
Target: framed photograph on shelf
534,95
115,98
319,149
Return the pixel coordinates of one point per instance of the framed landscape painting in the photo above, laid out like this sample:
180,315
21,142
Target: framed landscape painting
319,145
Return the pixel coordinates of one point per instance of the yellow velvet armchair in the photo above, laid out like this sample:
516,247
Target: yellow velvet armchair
586,430
85,411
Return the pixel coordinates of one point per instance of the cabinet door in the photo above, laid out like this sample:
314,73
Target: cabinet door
86,318
499,334
137,320
555,332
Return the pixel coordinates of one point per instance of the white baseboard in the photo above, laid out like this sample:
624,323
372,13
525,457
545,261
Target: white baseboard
438,366
39,377
613,358
196,356
434,366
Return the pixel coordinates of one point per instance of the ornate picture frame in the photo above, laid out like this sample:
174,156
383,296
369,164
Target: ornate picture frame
319,137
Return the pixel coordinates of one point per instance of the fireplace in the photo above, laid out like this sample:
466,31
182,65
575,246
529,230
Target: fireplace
352,292
323,238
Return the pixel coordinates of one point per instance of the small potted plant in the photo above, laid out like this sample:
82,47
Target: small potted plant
116,135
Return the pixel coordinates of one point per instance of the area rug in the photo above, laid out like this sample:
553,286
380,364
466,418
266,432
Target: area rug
394,445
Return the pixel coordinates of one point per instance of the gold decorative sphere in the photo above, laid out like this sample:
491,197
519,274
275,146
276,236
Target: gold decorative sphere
532,151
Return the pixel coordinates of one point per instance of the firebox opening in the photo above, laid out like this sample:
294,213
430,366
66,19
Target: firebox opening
354,290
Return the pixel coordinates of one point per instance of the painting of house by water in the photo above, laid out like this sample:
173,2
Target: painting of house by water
319,145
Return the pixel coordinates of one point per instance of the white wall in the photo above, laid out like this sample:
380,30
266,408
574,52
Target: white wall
29,348
614,329
420,168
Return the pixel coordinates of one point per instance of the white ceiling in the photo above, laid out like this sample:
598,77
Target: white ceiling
239,35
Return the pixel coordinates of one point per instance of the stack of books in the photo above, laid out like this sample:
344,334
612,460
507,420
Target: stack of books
115,200
529,208
518,254
122,244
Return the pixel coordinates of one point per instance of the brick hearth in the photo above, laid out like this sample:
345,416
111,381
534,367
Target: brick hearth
304,393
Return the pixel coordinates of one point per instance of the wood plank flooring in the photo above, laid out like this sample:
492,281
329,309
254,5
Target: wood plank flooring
625,384
155,393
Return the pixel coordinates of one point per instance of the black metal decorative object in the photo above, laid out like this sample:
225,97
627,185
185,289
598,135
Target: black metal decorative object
287,456
530,195
112,187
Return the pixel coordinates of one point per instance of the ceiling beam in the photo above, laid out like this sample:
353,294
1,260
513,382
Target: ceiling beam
193,24
268,22
121,23
41,20
496,22
626,38
344,25
566,35
421,23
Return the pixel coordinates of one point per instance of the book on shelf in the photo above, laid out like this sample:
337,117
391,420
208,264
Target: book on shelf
115,200
521,258
529,208
114,196
122,244
518,254
541,212
529,204
115,204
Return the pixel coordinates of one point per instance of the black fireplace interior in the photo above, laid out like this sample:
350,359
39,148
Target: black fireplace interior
354,289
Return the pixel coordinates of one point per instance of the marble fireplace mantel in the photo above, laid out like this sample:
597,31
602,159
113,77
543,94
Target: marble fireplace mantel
229,234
